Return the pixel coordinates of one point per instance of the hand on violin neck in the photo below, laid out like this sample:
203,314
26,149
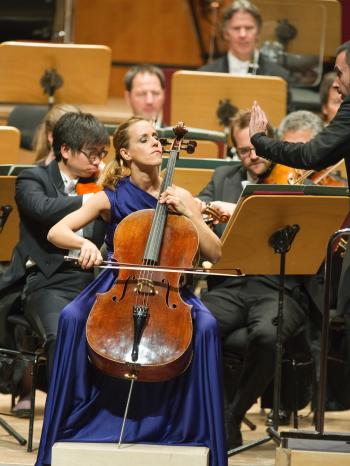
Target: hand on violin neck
258,121
222,210
89,255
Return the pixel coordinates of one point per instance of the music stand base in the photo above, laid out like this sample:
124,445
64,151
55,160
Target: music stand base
248,446
10,430
314,441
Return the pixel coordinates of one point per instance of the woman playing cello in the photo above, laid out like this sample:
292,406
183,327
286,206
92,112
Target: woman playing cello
83,404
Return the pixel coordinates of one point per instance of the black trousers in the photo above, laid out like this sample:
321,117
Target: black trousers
253,305
46,297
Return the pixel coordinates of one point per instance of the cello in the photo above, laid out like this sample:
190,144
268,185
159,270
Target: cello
141,329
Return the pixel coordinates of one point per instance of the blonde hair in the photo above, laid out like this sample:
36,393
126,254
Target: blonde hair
41,142
118,168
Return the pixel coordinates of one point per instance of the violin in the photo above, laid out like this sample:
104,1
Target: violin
88,185
281,174
211,214
141,329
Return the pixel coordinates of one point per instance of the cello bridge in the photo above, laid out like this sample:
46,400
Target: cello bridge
145,286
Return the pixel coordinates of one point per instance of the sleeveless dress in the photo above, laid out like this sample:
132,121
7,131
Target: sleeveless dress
84,405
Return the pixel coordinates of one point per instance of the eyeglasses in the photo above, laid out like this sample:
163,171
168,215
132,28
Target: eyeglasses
245,151
94,155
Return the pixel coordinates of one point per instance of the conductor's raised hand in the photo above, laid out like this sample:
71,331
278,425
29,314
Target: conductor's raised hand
90,255
258,121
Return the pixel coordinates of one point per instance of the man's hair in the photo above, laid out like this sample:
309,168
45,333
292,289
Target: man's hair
241,121
78,130
244,6
326,84
345,47
300,120
142,69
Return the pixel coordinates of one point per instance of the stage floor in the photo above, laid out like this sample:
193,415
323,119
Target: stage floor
11,453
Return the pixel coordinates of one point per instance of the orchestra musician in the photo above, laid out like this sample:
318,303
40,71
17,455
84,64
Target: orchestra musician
329,97
326,149
42,141
145,91
248,303
83,404
241,26
45,194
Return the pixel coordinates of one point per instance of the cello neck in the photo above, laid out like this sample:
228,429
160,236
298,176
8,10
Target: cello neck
155,238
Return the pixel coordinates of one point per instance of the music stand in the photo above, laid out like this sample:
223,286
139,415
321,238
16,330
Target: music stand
195,96
271,221
84,69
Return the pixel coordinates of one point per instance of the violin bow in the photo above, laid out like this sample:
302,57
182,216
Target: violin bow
155,268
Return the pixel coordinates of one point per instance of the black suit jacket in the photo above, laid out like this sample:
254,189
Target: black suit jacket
41,203
265,67
327,148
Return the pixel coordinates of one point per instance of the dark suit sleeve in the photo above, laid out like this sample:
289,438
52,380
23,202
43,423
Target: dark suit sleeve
326,149
34,201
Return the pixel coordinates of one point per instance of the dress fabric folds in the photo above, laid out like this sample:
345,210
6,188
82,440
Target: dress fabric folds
84,405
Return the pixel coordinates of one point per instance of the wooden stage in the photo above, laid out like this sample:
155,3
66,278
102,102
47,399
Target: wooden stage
11,453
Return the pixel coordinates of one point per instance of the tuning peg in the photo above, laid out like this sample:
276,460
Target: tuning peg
189,146
164,142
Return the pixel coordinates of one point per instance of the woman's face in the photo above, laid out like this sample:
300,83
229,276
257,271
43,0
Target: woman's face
144,146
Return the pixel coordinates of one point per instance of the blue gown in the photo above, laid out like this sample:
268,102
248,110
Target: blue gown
84,405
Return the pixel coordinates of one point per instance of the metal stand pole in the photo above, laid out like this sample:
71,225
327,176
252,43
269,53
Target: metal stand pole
281,242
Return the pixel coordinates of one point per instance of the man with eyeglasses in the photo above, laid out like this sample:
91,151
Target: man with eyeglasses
246,307
44,195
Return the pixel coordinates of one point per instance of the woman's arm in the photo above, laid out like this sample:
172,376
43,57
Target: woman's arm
183,202
63,234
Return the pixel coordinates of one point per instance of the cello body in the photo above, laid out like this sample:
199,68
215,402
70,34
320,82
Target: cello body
141,328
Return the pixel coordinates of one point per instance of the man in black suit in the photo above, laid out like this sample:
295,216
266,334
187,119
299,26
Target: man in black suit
326,149
241,25
44,195
246,307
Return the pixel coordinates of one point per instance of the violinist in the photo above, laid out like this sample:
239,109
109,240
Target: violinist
324,150
42,141
246,307
83,404
329,97
44,194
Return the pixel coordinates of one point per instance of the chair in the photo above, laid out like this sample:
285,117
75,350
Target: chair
298,381
9,145
27,118
298,372
31,352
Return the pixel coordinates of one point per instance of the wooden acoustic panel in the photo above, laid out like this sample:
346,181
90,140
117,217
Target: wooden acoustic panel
85,71
196,96
192,179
